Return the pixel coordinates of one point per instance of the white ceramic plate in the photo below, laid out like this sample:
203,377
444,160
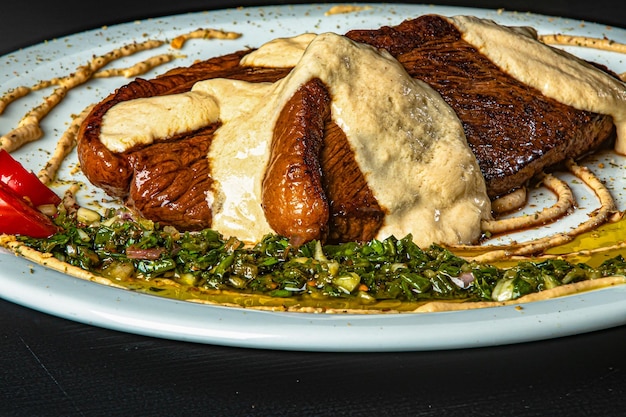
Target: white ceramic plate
64,296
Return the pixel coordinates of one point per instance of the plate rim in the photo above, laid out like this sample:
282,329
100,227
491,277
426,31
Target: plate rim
342,332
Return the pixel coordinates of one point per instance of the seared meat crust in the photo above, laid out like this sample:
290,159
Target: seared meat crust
293,199
171,186
355,215
313,187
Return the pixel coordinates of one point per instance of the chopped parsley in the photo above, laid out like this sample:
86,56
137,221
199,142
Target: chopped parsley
123,248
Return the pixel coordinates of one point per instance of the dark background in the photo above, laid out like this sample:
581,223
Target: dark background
26,22
54,367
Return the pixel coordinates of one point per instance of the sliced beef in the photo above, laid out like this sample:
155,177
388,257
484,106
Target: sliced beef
313,187
167,181
355,215
514,131
293,200
170,185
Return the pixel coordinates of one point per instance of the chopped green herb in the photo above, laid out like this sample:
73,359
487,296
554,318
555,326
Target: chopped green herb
120,247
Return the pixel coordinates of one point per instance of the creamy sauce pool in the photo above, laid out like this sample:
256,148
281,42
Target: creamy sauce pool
407,141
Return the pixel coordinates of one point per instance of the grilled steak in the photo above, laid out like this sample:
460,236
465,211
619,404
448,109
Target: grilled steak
514,131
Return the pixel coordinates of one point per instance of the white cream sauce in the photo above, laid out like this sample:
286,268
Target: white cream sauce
279,52
143,120
407,141
556,73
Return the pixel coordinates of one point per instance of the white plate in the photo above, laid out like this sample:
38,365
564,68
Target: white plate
58,294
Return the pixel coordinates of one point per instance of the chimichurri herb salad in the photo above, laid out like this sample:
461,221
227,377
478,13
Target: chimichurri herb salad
131,250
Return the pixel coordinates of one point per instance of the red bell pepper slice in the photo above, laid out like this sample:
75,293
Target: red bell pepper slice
25,183
17,217
21,192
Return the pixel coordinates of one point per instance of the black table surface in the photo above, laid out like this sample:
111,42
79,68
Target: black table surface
54,367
